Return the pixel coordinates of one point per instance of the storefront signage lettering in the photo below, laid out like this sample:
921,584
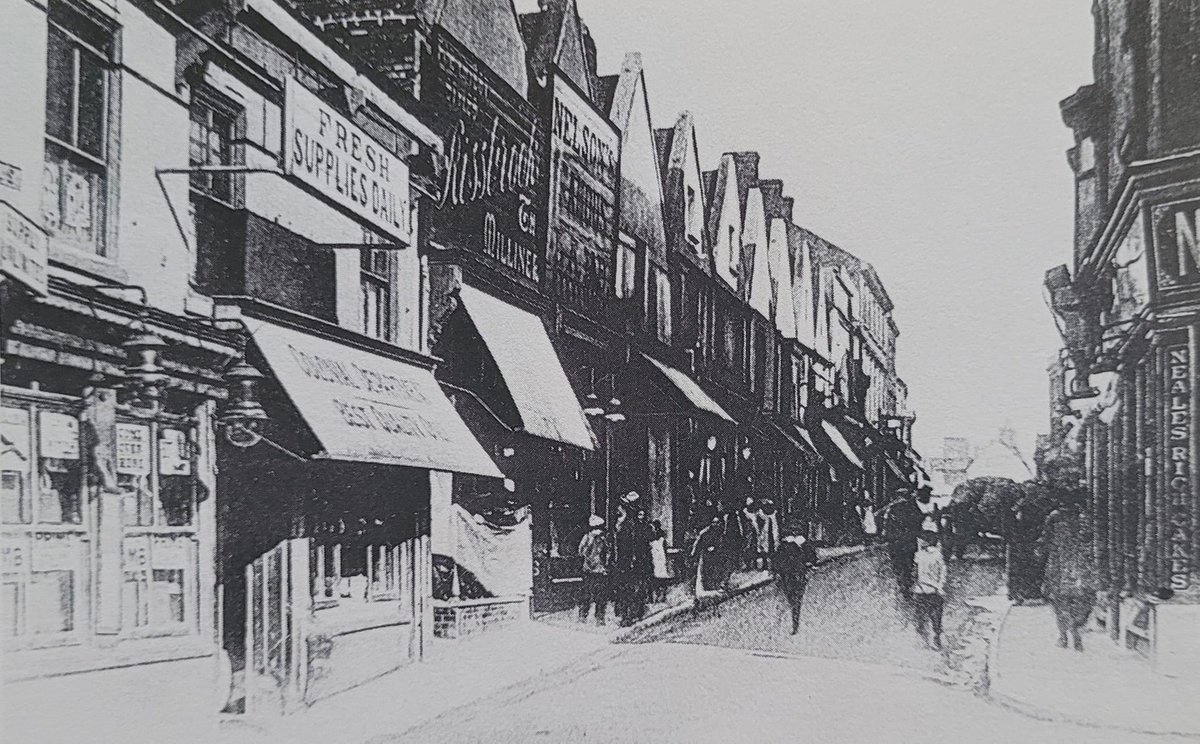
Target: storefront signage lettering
55,551
328,152
489,178
24,249
170,553
13,557
1178,242
136,555
583,178
58,435
133,449
1179,474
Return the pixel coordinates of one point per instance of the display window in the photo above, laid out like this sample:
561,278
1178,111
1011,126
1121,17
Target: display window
51,546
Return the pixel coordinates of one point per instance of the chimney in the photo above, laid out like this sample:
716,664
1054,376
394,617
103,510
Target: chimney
747,162
589,48
789,204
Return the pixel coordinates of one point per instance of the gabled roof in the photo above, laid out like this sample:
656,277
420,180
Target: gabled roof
747,173
606,90
554,35
477,24
662,142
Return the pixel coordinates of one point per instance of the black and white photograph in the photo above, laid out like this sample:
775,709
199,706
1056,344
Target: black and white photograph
614,371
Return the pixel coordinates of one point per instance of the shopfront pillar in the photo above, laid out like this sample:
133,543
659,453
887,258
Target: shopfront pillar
100,440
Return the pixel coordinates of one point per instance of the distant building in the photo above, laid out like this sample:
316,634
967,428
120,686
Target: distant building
1000,458
949,470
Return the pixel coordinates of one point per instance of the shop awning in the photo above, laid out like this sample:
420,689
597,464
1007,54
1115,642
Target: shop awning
691,390
806,437
531,369
365,407
793,437
839,440
892,466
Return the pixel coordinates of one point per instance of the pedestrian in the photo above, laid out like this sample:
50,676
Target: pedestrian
733,543
707,558
621,573
596,553
903,522
793,562
929,588
748,520
1070,582
767,534
658,559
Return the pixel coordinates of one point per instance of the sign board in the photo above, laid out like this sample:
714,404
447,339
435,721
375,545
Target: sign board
24,249
490,189
58,435
174,452
584,150
1179,449
133,449
326,151
1177,236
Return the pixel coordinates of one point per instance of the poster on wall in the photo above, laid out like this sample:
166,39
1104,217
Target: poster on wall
58,435
489,183
174,452
133,449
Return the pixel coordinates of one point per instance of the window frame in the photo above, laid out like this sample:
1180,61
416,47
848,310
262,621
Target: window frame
384,282
216,104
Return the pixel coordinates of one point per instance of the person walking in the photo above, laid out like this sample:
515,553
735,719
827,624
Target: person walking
903,523
658,560
748,521
793,562
708,560
767,533
1070,581
596,553
929,588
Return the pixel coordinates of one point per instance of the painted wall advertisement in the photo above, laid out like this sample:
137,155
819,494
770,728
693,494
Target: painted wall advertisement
24,249
584,148
331,154
489,184
1177,234
1180,468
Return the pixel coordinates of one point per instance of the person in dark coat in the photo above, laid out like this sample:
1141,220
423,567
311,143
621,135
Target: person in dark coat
1071,581
708,559
903,524
635,565
793,562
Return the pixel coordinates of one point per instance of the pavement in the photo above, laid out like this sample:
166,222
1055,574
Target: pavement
1104,686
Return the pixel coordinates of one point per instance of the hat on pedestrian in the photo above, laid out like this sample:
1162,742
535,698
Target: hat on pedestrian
595,521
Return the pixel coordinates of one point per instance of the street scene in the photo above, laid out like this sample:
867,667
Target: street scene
595,370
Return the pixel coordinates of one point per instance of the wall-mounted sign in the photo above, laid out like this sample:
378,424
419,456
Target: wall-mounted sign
490,190
58,435
1179,447
133,449
24,249
1178,242
583,195
174,452
330,153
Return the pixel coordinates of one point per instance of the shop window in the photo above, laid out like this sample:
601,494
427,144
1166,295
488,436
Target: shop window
155,569
58,469
377,279
351,573
16,467
75,176
215,127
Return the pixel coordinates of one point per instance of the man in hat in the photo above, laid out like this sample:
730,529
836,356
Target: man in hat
793,561
634,565
904,520
596,553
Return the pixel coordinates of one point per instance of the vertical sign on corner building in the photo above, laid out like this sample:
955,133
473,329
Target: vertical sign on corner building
584,149
1180,449
490,190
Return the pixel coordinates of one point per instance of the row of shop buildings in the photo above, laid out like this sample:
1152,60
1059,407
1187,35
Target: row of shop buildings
1125,391
306,302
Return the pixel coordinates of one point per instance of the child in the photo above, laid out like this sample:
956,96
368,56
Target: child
929,587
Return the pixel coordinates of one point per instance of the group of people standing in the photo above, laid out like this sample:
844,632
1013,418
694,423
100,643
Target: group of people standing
627,565
917,563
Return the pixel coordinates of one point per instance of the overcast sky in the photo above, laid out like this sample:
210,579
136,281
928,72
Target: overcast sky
923,136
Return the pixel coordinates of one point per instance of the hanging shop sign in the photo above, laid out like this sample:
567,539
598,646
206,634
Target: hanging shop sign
490,190
331,154
1180,447
24,249
584,149
1178,242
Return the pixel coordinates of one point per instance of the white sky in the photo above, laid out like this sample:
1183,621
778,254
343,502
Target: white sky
922,135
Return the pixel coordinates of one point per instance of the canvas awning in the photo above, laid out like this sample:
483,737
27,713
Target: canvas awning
843,446
531,369
690,390
366,407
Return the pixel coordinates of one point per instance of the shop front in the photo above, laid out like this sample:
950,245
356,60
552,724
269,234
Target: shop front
326,563
108,506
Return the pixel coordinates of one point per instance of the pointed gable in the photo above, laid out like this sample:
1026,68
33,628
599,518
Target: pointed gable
555,36
641,183
754,238
489,29
804,288
725,222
